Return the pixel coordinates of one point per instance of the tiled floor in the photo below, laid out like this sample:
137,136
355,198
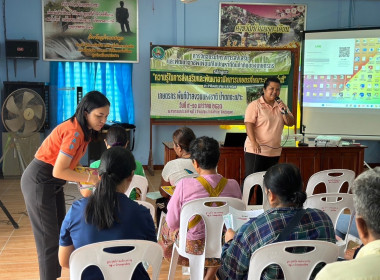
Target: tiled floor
18,256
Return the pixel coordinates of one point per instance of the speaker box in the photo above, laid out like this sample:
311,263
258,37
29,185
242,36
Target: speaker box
21,49
40,88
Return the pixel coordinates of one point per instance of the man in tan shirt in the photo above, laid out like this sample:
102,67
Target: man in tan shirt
366,190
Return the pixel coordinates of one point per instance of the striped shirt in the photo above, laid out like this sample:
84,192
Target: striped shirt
263,230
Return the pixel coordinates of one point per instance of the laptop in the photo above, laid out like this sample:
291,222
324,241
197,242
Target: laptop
235,139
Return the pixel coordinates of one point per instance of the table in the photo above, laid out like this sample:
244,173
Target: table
308,159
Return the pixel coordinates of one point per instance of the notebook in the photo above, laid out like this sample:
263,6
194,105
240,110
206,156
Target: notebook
235,139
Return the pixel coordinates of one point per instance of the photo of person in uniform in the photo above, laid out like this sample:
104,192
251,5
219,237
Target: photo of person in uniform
122,16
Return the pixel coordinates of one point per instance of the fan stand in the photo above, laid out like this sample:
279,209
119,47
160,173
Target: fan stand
12,144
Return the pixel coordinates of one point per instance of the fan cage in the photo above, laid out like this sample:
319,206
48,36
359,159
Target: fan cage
23,112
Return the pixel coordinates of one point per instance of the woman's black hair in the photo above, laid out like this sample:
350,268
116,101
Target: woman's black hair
183,137
284,180
205,151
268,81
116,164
117,136
271,80
92,100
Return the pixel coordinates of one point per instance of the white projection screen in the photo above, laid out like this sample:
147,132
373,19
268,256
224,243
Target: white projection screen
341,83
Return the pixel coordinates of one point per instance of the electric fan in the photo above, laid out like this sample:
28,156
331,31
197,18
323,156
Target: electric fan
23,114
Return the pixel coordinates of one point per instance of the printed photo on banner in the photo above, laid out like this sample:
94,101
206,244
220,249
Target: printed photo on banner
92,30
261,25
204,83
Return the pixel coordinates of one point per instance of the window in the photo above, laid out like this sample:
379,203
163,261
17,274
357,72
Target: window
114,80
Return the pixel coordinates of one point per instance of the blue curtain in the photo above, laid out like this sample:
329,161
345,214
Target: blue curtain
114,80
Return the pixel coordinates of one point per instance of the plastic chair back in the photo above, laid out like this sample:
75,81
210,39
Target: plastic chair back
148,205
333,204
254,179
331,208
213,219
138,182
93,254
293,265
161,223
193,175
333,183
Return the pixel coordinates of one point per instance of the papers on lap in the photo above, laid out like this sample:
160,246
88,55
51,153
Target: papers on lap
168,189
236,218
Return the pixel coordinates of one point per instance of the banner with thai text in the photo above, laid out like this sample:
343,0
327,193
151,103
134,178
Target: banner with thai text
203,83
261,25
91,30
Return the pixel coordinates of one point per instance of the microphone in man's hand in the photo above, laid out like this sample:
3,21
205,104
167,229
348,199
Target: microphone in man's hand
278,100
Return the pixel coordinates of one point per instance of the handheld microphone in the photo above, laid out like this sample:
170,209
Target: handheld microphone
278,100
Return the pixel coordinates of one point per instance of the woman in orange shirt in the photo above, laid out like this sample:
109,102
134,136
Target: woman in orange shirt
53,164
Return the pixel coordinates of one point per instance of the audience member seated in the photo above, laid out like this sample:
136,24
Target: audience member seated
283,185
342,226
108,214
176,169
366,190
341,232
204,153
117,136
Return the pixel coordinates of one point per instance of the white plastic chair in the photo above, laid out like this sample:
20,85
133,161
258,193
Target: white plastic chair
161,223
254,179
192,175
93,254
333,204
333,183
213,219
185,269
293,265
148,205
138,182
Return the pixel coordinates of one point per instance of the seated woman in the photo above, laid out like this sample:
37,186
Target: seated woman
117,136
204,153
283,185
182,166
107,214
178,168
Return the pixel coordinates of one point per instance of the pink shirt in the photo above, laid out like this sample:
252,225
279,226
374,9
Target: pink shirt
189,189
269,123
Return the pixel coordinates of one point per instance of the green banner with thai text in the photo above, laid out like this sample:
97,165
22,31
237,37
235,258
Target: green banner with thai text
196,83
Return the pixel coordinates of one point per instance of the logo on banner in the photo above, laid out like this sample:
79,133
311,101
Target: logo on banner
158,53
